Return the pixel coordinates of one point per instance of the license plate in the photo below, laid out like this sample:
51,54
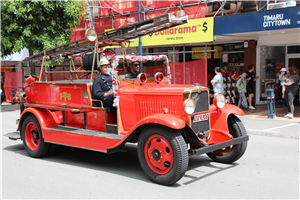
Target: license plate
201,117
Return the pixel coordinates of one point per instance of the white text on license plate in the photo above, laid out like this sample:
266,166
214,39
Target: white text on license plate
201,117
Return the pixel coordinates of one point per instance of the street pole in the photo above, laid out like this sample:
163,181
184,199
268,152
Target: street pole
92,15
140,39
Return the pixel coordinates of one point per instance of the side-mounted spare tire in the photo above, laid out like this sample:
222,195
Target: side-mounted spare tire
88,60
232,153
163,155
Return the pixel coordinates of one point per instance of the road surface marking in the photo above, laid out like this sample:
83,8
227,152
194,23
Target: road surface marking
262,130
280,127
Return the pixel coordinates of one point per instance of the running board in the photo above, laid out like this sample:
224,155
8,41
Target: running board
13,135
80,131
211,148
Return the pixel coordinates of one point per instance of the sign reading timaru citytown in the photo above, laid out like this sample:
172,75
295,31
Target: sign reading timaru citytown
260,21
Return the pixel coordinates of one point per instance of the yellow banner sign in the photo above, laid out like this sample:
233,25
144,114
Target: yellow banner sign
200,55
195,31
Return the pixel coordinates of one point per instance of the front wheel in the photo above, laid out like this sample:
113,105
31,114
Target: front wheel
232,153
163,155
32,137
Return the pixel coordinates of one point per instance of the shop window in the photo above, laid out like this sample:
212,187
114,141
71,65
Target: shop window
293,49
272,59
233,47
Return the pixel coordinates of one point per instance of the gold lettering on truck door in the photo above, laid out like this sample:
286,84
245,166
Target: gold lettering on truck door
65,95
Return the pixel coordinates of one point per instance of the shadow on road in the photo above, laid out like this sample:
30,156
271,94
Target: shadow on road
124,163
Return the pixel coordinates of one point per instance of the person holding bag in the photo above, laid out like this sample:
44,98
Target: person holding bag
291,88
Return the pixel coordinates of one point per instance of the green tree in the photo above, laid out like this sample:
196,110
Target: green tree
37,25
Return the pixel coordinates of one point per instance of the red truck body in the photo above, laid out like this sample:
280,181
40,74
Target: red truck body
168,122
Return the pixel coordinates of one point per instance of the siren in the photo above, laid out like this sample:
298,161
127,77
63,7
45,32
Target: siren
142,78
159,77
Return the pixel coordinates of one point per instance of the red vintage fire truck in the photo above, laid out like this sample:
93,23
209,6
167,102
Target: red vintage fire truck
168,122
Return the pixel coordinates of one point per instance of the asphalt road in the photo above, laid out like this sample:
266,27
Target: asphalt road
269,169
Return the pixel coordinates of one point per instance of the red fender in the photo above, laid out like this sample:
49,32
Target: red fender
168,120
44,116
219,125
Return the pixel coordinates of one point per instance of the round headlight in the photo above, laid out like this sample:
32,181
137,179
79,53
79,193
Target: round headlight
220,100
91,34
189,106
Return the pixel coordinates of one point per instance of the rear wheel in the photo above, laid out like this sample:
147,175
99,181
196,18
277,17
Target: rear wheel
32,137
231,153
163,155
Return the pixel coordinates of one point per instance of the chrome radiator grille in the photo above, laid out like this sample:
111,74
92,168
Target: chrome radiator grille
201,100
202,104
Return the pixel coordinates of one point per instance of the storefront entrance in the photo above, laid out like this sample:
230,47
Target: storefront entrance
294,61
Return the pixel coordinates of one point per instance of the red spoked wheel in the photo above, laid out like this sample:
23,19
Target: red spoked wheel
228,149
158,154
224,151
32,137
163,155
231,153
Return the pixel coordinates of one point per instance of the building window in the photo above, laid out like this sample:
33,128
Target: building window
272,59
293,49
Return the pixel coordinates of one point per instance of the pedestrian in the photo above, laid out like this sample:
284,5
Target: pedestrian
217,82
241,85
250,77
282,78
291,88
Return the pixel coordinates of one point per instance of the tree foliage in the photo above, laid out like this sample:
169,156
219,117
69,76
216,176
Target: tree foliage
37,25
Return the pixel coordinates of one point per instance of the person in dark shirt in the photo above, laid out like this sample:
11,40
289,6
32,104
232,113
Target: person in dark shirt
133,69
102,86
250,77
291,88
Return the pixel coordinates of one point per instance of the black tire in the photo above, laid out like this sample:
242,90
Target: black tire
232,153
163,155
32,137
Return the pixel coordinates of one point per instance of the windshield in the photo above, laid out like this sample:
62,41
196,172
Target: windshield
150,68
151,65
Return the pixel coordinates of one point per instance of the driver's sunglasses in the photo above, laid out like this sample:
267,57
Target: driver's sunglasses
136,64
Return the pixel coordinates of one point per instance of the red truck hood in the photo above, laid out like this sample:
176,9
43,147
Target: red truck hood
154,88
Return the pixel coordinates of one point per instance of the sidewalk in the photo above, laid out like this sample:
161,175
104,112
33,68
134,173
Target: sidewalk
261,112
9,107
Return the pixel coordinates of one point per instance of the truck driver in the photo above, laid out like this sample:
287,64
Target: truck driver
133,69
102,85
